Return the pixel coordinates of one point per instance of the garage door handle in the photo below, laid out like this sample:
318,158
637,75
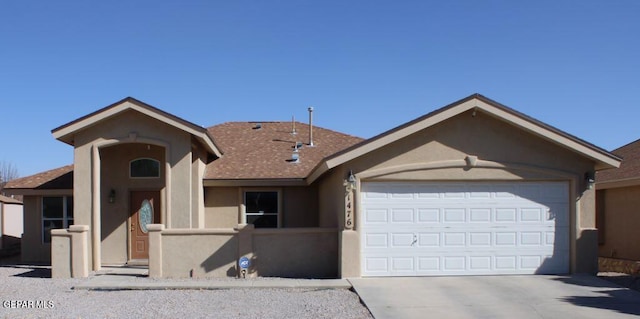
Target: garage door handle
415,240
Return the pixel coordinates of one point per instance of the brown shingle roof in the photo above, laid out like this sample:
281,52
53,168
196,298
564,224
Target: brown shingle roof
59,178
630,167
264,153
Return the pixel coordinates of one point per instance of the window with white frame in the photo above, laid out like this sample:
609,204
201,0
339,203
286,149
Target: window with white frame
57,212
262,208
144,168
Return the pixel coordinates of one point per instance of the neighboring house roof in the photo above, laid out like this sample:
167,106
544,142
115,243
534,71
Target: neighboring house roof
66,132
59,178
9,200
252,153
601,157
629,172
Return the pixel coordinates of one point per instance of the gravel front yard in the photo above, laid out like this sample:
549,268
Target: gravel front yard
25,294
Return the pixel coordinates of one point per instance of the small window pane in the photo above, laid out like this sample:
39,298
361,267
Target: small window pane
47,226
145,167
70,207
262,202
52,207
263,221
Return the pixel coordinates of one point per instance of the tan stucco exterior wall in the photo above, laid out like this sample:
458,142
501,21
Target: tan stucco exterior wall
133,127
621,211
32,247
223,206
504,152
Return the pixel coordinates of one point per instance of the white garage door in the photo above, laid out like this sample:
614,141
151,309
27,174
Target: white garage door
451,228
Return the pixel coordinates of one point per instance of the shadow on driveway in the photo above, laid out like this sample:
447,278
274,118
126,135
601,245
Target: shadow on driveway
611,296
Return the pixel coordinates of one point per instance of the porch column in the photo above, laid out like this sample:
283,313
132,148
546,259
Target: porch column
155,250
79,260
95,209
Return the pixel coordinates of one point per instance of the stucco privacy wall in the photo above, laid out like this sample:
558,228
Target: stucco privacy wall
215,252
620,208
504,152
114,175
131,126
223,205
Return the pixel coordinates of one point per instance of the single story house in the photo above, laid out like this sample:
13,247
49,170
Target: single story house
10,221
618,206
473,188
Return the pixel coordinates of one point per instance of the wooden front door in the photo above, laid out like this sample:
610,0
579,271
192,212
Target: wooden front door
145,209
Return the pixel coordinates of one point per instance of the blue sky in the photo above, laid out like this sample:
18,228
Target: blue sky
366,66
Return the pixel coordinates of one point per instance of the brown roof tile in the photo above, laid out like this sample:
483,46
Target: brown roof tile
264,153
630,167
59,178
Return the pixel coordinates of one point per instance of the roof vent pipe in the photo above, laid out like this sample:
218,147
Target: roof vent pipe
310,125
293,124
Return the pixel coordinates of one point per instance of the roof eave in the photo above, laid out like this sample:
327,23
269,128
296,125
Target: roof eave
267,182
618,183
37,192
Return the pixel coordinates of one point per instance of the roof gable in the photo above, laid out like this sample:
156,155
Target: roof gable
479,103
66,132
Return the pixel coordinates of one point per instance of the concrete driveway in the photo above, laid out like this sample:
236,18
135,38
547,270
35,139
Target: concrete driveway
521,297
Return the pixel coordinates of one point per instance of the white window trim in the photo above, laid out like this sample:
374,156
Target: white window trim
243,206
145,158
65,218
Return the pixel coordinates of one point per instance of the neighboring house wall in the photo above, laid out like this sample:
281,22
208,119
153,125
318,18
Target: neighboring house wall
223,206
11,221
438,153
620,210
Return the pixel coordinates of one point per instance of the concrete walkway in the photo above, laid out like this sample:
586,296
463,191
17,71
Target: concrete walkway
522,297
125,278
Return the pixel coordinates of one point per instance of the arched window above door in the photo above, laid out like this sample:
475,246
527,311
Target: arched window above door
144,168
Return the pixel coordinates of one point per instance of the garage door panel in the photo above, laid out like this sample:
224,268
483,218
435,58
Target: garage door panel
480,239
402,239
491,228
428,215
402,215
506,215
480,215
506,239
